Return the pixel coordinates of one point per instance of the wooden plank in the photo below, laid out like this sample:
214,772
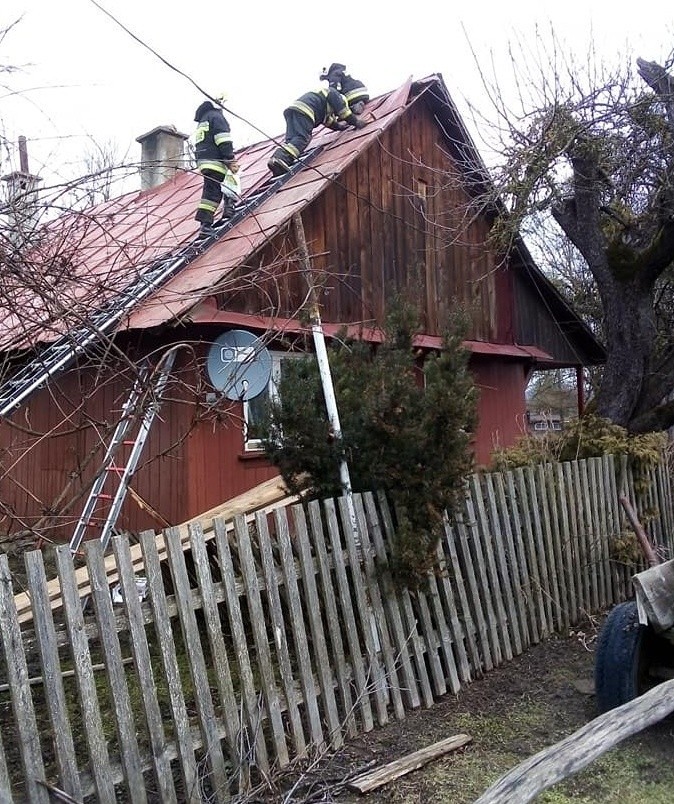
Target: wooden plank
486,594
92,722
615,524
314,608
548,551
538,552
254,747
504,505
602,508
22,702
272,578
485,546
563,534
498,544
374,589
531,553
364,609
391,602
593,541
161,759
348,619
298,629
445,640
266,496
465,561
583,537
410,624
455,572
165,639
456,632
258,624
197,664
114,669
368,620
557,762
332,619
529,624
367,782
574,528
220,661
45,635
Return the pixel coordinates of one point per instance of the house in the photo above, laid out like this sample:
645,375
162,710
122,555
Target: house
398,205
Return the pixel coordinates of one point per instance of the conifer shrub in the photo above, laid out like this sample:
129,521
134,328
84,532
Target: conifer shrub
406,430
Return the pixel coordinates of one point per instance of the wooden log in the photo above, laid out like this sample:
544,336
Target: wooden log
371,780
551,765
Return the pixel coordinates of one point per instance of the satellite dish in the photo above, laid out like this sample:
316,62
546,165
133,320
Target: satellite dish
239,365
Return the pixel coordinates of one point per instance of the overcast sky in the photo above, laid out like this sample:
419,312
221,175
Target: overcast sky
83,78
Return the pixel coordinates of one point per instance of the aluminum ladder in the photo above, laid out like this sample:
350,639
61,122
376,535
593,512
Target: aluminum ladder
149,386
59,354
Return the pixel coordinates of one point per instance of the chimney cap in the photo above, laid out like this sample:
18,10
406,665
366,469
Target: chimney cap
166,129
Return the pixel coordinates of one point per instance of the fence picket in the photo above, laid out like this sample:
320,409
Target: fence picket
254,747
511,562
410,623
197,663
468,627
278,625
602,510
529,624
391,603
503,567
299,629
45,634
114,668
5,781
538,555
548,555
220,659
164,634
464,560
559,492
22,702
494,623
143,668
261,639
591,546
391,680
313,608
84,676
332,618
531,556
348,618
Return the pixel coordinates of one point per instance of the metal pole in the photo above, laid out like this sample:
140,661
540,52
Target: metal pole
324,371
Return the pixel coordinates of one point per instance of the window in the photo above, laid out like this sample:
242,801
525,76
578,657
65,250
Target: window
253,409
540,426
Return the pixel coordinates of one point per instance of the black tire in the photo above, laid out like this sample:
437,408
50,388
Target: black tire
627,652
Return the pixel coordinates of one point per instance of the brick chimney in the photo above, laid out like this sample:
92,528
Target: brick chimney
21,197
162,154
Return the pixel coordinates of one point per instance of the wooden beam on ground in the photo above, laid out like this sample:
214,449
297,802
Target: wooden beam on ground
265,497
551,765
369,781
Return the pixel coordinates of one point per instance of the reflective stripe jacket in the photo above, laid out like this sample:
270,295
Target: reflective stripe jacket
213,138
326,106
354,90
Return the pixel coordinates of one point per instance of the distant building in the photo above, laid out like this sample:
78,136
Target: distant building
543,423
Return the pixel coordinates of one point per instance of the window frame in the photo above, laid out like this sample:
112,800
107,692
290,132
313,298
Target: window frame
277,358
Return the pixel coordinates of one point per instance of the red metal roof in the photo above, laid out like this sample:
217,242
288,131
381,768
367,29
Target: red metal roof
105,249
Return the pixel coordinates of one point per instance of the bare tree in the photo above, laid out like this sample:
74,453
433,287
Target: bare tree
596,155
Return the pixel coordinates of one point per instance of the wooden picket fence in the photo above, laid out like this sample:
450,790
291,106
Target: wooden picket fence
274,638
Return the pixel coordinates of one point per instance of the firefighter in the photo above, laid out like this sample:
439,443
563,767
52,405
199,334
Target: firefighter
215,161
354,91
323,107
